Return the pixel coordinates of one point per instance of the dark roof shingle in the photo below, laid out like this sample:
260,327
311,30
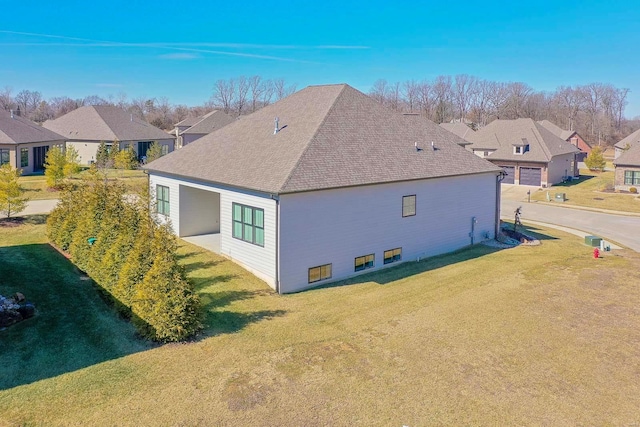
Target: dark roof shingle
104,123
18,130
329,136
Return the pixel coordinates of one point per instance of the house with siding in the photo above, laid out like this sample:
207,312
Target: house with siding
626,143
526,151
627,169
24,144
192,128
571,136
327,184
86,127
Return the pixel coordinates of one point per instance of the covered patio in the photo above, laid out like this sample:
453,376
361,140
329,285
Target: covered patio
210,242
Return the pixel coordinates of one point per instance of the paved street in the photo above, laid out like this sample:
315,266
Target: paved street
38,207
621,229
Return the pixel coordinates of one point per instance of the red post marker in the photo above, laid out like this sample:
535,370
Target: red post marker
596,253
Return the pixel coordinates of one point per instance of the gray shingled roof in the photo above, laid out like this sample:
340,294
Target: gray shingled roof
104,123
18,130
214,120
502,135
189,121
330,136
630,157
459,129
557,130
630,140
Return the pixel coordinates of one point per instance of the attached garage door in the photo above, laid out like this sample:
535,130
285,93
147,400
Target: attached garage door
530,176
511,173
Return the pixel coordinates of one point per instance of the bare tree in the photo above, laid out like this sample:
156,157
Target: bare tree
394,96
380,91
592,98
517,94
281,90
464,88
410,94
425,98
256,89
241,97
224,93
6,100
442,94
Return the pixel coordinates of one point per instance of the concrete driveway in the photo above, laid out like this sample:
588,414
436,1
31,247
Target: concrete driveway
619,228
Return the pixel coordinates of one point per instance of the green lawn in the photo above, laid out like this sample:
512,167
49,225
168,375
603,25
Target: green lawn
36,185
587,192
525,336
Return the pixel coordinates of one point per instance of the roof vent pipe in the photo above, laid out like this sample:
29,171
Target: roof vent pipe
11,113
131,116
433,147
276,127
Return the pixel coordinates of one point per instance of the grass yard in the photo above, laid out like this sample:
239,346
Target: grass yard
587,192
36,185
531,335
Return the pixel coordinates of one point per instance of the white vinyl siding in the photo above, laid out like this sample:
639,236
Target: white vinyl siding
559,167
336,226
260,260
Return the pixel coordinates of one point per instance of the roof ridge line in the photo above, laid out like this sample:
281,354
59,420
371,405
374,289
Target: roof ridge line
315,133
541,141
115,136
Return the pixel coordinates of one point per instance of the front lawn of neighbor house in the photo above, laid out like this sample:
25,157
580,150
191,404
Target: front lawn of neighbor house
36,185
588,192
524,336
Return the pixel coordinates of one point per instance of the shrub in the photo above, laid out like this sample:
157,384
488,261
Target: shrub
133,258
633,190
595,160
12,199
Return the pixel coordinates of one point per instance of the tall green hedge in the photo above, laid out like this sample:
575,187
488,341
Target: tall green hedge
131,255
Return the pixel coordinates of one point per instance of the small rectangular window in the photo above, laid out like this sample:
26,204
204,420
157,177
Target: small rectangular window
162,200
392,255
24,157
248,224
321,272
4,157
165,149
364,262
408,205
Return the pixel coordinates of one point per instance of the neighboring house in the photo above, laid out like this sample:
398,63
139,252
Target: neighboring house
571,136
86,127
24,144
460,129
339,185
627,169
626,143
193,128
527,152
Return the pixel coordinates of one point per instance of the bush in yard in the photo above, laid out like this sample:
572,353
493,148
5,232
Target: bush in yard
633,190
12,199
126,159
154,152
72,162
133,257
595,160
54,164
102,156
165,304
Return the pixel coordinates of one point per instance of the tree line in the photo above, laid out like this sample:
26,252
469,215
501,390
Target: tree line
595,110
236,96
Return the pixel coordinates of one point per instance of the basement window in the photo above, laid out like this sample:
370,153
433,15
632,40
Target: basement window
392,255
364,262
321,272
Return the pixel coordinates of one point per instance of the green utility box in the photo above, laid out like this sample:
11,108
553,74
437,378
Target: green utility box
593,241
561,197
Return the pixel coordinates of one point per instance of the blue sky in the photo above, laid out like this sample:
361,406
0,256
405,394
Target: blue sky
179,49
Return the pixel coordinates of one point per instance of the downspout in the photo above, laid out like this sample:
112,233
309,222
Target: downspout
499,179
277,278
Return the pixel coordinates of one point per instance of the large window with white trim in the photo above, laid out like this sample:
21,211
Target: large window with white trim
248,224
